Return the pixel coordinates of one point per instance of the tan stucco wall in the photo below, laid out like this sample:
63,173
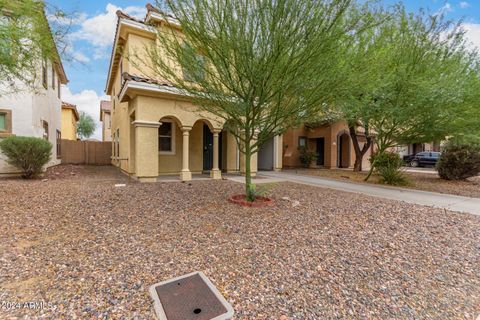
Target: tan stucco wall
69,125
139,141
106,126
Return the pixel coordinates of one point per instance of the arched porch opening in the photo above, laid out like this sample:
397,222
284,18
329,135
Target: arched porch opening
343,149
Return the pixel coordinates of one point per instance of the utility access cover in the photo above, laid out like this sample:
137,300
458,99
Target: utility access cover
189,297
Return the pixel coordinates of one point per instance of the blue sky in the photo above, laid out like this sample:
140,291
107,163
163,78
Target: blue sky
94,28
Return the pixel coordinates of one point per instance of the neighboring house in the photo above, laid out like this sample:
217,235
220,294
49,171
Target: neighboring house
106,119
155,129
69,121
331,142
414,148
35,114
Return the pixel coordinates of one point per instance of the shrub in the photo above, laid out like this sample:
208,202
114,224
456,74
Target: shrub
307,157
27,153
388,166
459,161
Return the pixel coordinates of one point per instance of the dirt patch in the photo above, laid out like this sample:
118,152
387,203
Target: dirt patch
335,255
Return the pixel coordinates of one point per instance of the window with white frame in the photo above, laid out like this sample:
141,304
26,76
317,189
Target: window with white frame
166,137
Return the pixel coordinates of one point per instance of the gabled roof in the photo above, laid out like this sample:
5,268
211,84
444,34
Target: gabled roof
145,25
73,107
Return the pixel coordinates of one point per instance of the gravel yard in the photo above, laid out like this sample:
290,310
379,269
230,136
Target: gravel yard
419,181
92,250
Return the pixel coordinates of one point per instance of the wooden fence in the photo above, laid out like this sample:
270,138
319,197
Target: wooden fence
86,152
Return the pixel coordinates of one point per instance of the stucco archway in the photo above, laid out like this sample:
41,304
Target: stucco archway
343,149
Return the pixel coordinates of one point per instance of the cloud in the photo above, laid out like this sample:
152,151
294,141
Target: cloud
99,30
464,4
447,7
78,56
472,32
68,19
89,102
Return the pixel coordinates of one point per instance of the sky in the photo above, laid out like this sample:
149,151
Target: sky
93,31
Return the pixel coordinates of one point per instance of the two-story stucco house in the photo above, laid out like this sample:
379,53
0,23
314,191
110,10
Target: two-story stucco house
155,129
106,120
35,114
69,121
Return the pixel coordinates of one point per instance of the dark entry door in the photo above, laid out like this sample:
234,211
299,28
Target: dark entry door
208,149
320,151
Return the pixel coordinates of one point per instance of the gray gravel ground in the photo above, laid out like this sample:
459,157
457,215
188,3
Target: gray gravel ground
92,251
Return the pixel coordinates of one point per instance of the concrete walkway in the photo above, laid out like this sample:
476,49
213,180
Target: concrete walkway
438,200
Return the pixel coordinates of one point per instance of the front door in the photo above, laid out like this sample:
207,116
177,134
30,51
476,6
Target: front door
208,149
320,151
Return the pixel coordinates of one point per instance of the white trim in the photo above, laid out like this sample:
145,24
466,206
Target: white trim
173,151
159,17
143,123
130,84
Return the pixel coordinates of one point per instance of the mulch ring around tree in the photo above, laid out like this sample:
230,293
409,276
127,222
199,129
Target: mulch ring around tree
259,202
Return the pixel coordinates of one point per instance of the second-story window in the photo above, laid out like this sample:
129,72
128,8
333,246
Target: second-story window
59,91
44,74
193,66
53,77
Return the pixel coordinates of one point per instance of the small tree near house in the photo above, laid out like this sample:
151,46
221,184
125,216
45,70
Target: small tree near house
27,38
28,154
85,126
261,66
410,79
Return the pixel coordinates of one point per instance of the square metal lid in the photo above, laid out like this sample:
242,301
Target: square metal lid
189,297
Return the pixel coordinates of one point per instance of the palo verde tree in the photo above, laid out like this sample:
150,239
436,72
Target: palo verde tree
409,80
262,66
85,126
26,39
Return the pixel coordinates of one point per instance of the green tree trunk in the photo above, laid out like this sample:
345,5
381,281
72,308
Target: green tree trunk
249,188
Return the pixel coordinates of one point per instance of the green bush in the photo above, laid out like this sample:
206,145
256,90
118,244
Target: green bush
459,161
388,165
307,157
27,153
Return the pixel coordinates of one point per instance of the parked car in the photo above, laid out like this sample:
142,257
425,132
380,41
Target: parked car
422,159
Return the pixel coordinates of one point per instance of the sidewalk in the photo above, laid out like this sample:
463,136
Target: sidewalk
438,200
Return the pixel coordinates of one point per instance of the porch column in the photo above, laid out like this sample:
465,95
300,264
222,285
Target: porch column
215,173
146,150
185,174
278,153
